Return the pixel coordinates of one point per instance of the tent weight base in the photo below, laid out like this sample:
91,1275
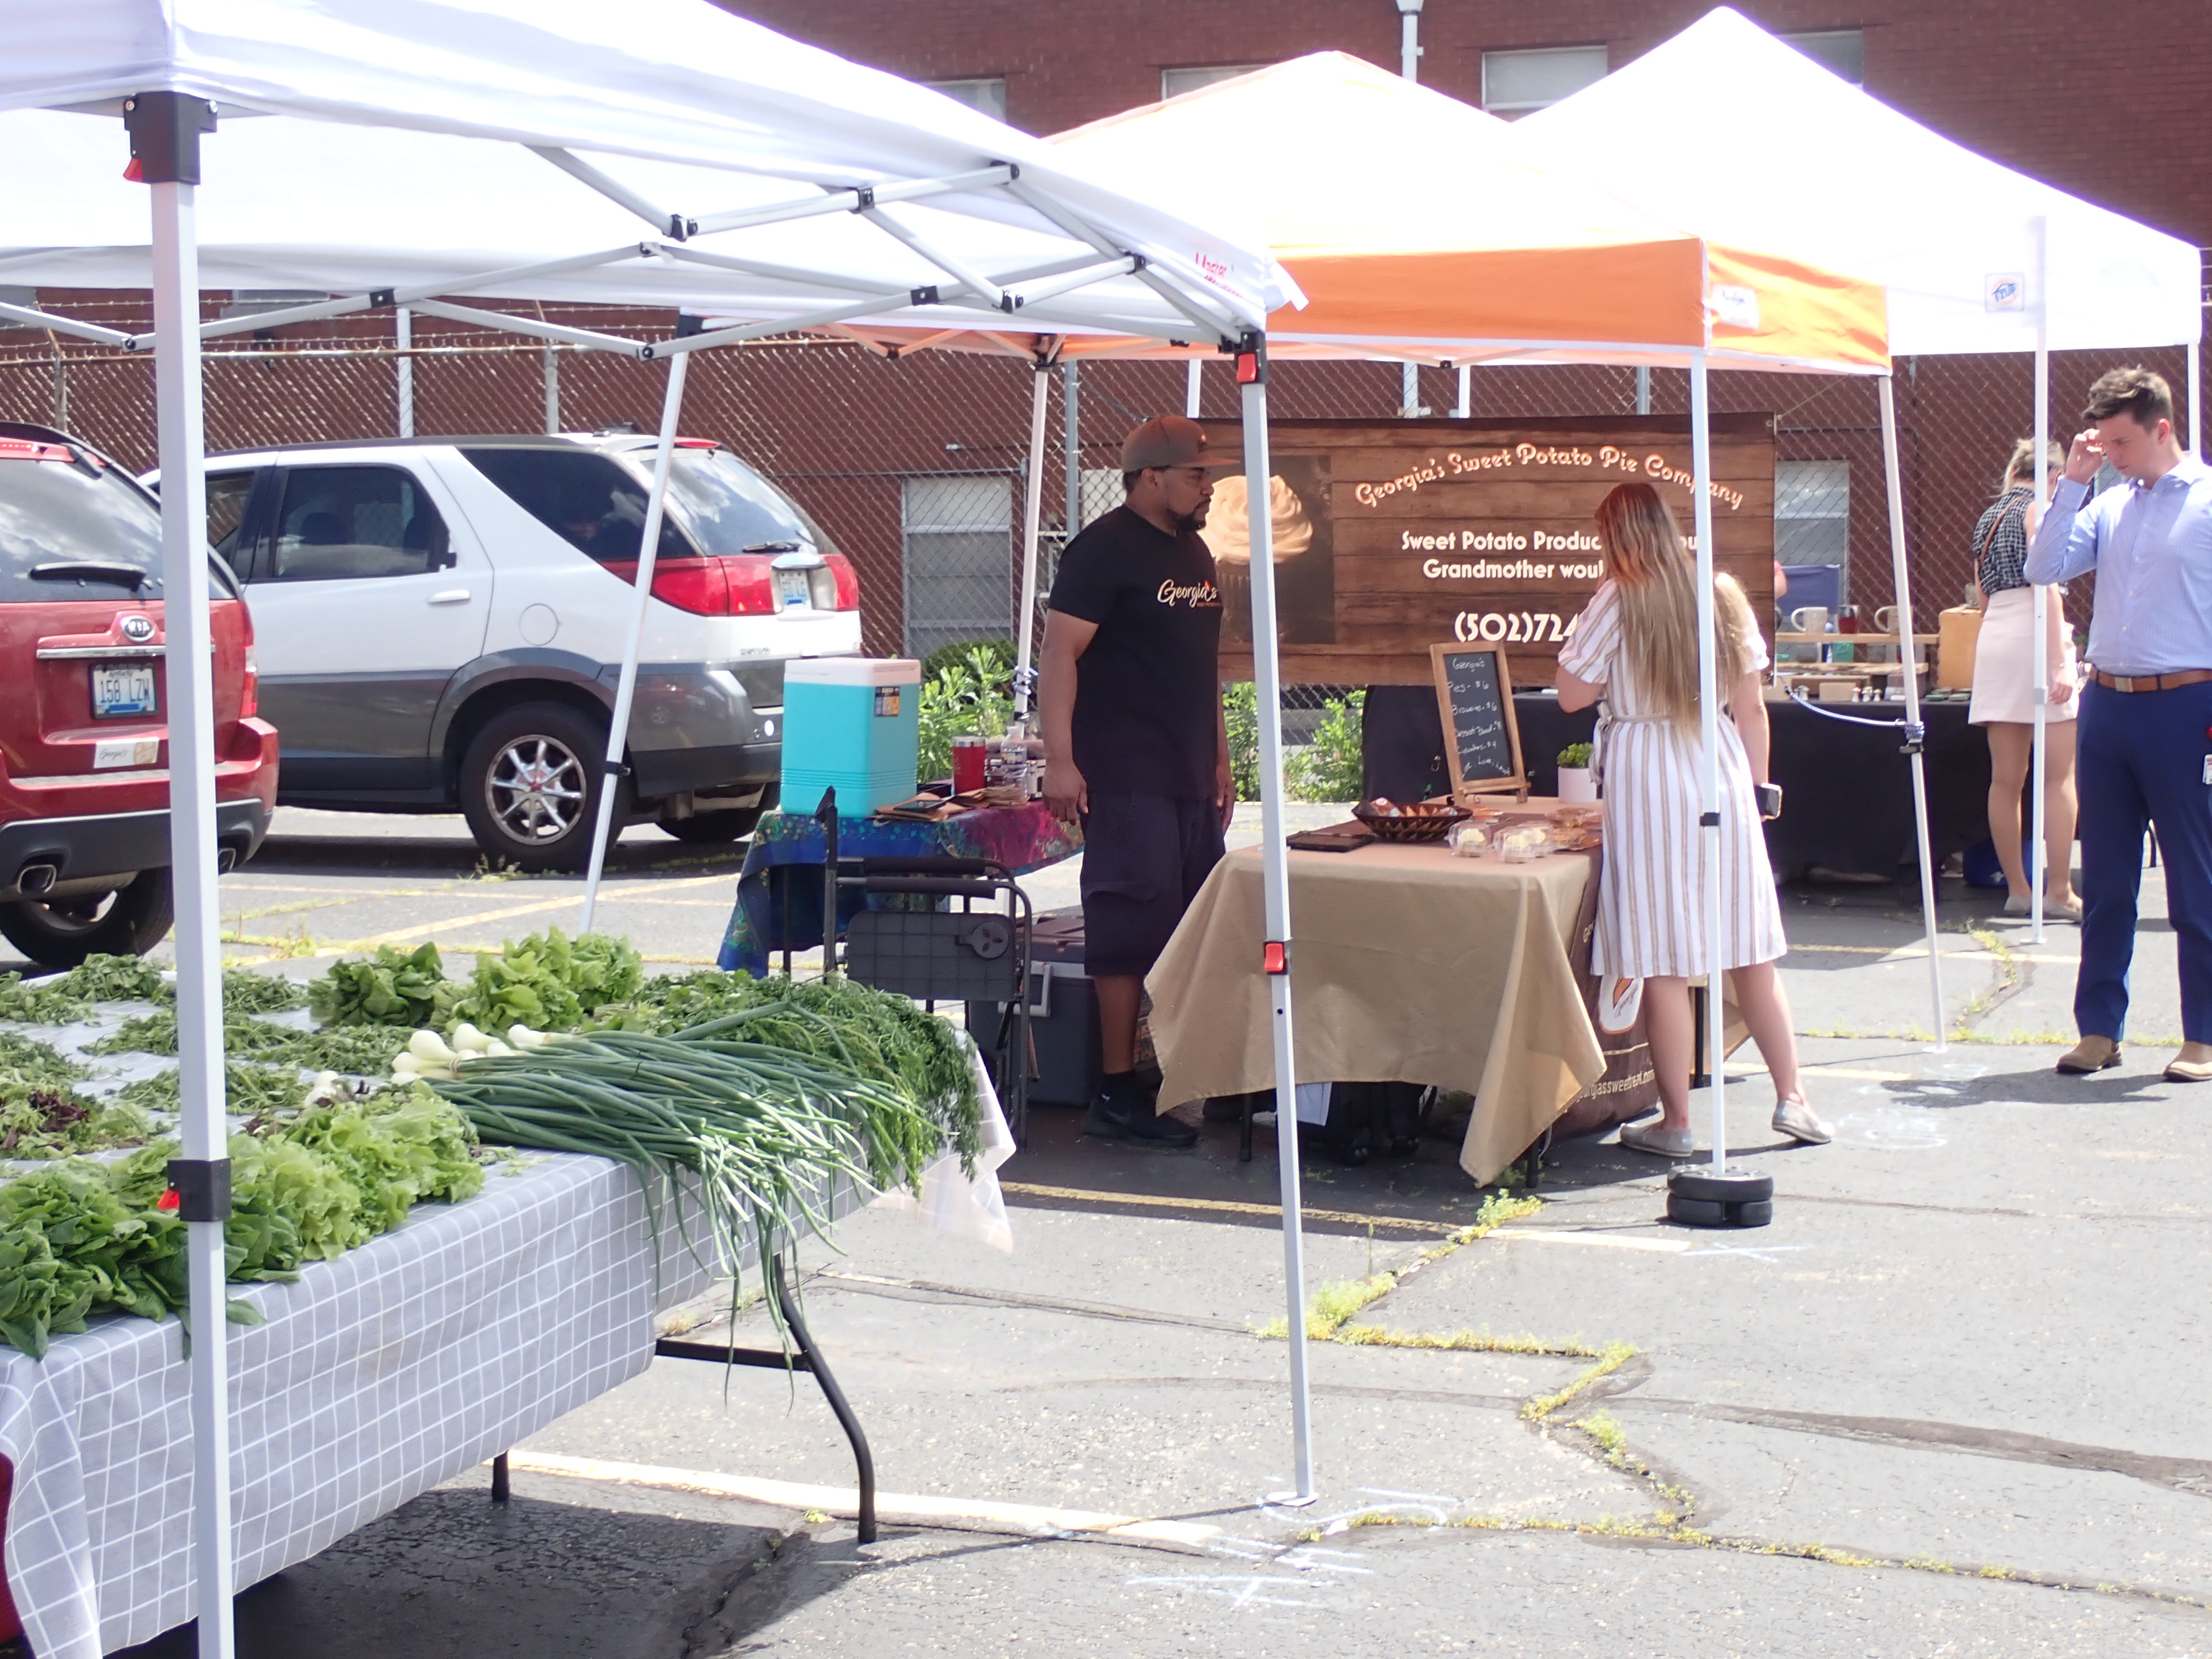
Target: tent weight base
1700,1197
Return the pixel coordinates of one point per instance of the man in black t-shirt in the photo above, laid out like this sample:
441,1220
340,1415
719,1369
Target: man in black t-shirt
1134,741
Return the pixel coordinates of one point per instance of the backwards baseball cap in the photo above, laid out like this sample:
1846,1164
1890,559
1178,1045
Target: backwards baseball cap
1172,440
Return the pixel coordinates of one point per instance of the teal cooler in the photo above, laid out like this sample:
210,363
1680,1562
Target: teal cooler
851,724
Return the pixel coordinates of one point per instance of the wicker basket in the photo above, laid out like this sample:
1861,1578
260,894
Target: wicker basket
1432,824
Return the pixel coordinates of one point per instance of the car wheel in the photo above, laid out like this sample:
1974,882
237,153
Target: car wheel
530,787
731,823
62,933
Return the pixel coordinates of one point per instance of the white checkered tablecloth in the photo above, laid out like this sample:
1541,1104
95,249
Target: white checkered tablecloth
377,1376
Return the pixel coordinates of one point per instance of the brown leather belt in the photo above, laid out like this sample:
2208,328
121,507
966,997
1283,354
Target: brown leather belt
2153,681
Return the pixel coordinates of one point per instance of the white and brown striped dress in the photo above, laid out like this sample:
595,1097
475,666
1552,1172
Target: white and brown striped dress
1653,904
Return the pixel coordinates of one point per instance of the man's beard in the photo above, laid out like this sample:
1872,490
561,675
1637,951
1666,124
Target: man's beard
1193,521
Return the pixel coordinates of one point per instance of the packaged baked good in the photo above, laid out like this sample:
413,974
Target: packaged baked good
1523,843
1467,841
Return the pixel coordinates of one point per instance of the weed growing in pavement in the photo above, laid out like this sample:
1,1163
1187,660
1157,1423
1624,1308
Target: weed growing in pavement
1335,1302
1605,1429
487,869
1615,1355
295,942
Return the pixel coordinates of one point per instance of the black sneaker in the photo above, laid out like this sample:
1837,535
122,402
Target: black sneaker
1126,1113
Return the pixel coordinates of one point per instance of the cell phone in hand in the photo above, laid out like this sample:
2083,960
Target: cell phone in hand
1770,800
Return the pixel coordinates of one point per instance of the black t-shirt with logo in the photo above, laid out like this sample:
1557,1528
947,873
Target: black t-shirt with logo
1147,687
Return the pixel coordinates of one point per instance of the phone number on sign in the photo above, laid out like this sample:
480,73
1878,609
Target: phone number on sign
1512,627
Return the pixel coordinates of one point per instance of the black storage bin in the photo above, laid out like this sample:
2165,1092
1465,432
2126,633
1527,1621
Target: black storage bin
1063,1015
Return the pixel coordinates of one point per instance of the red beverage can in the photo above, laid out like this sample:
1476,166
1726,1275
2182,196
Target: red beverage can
966,765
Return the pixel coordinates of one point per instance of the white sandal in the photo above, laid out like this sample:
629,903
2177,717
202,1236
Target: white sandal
1659,1141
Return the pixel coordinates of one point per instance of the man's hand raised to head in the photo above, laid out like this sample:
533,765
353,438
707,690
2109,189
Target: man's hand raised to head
2084,458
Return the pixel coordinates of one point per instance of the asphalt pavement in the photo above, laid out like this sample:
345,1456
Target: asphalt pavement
1949,1402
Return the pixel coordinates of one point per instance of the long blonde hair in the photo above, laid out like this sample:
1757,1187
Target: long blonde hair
1657,581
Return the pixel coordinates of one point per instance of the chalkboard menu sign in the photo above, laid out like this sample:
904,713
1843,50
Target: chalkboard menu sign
1474,696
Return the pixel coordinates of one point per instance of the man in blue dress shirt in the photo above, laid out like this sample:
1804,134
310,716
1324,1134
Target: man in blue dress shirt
2144,747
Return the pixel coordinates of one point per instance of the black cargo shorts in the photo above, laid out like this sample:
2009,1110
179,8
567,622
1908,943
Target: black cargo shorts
1145,857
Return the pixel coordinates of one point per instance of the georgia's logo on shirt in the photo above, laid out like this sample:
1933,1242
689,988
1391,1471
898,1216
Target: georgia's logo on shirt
1197,596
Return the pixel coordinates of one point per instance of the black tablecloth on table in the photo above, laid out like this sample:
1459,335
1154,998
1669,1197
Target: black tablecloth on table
1846,790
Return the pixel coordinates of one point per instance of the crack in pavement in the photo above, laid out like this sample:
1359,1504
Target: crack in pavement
2193,1475
922,1289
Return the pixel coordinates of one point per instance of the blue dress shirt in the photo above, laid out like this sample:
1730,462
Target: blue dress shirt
2152,550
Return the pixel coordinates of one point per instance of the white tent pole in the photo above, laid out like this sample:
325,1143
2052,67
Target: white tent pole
190,694
2196,399
2039,230
1466,393
1194,387
1032,523
552,389
1071,438
1708,740
1275,885
648,547
1892,478
402,340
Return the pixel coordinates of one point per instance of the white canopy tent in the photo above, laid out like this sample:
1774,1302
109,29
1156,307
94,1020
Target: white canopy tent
1741,137
1519,263
385,165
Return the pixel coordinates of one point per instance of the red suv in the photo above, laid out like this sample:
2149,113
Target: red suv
84,780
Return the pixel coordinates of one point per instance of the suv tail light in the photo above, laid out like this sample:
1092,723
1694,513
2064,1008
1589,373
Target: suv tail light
731,584
249,692
848,581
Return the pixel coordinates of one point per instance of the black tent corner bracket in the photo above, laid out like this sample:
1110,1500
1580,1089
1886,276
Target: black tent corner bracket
165,128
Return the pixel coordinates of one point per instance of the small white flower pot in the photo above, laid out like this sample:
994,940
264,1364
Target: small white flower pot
1577,785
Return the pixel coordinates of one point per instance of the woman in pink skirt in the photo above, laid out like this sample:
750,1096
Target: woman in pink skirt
2004,690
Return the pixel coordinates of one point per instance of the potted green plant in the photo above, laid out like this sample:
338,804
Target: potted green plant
1576,783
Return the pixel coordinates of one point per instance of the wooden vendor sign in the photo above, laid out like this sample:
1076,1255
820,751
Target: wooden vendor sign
1394,536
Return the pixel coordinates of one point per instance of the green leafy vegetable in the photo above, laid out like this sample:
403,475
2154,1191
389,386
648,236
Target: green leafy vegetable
549,982
395,987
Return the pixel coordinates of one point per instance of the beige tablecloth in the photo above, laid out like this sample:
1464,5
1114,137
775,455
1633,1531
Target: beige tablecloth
1408,965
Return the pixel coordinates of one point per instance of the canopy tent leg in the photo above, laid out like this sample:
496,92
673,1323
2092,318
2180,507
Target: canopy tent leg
1708,763
181,447
2038,752
656,505
2196,399
1071,446
1914,734
1032,521
2037,873
1275,881
1194,387
1465,408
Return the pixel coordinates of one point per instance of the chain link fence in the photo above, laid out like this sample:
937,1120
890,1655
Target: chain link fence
916,466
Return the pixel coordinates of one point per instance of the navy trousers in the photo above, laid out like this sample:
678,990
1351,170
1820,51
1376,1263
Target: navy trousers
2140,759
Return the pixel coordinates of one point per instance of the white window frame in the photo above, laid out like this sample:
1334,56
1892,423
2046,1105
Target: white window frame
985,94
1832,49
1525,55
939,522
1174,83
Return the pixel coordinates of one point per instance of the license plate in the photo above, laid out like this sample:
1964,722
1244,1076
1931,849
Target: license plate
791,587
124,688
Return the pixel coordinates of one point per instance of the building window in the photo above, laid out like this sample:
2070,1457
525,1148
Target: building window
1175,82
1842,52
1812,511
1515,83
986,93
959,544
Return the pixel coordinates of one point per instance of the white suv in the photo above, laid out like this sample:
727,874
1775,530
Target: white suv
439,624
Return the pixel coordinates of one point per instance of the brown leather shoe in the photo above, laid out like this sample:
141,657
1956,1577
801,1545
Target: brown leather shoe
2193,1065
2091,1053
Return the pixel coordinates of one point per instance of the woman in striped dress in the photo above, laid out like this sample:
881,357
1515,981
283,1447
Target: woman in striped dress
1636,646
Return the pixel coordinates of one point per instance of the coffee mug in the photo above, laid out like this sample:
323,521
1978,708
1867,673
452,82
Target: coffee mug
1885,619
1809,619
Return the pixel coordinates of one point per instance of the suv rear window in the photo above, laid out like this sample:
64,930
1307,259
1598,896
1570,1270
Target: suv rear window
731,508
589,501
58,513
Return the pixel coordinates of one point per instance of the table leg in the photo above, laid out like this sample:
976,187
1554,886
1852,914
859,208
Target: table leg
1700,1076
499,1492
